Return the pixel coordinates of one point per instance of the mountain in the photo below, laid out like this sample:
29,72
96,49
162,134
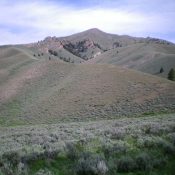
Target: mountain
80,103
42,82
95,46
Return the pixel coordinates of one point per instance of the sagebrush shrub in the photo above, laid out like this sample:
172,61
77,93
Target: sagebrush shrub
168,148
71,151
90,164
126,164
111,150
43,172
159,162
9,163
11,157
143,162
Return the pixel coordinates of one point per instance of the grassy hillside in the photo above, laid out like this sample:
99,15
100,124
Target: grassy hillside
43,91
142,56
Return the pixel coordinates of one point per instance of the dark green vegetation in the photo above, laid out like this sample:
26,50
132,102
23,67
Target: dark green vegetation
171,75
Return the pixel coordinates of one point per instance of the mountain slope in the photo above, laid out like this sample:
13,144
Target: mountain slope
52,91
143,57
95,46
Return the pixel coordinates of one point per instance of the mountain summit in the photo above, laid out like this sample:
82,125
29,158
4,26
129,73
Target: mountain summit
95,46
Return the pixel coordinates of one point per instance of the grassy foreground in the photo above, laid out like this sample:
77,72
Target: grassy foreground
142,145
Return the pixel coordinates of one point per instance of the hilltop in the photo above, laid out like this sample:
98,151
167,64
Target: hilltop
95,46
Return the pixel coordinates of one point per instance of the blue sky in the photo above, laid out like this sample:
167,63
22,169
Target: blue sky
32,20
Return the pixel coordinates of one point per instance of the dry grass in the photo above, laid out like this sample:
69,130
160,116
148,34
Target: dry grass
44,91
141,56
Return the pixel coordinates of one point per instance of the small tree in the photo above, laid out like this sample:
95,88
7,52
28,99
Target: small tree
50,51
171,75
161,70
55,53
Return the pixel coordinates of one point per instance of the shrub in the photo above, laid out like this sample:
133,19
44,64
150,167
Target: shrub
12,157
113,150
112,166
55,53
171,75
147,142
9,163
160,162
161,70
172,138
22,170
50,51
143,161
101,167
167,147
126,164
90,164
118,135
43,172
71,151
147,129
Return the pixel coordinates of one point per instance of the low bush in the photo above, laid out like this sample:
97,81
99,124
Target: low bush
43,172
159,162
126,164
71,151
91,164
112,166
12,157
168,148
143,162
172,138
118,148
9,163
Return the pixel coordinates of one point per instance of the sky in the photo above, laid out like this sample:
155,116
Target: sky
26,21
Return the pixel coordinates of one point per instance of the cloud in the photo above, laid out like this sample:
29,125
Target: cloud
29,21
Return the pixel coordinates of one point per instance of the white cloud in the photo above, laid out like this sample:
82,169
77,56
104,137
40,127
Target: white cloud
33,20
